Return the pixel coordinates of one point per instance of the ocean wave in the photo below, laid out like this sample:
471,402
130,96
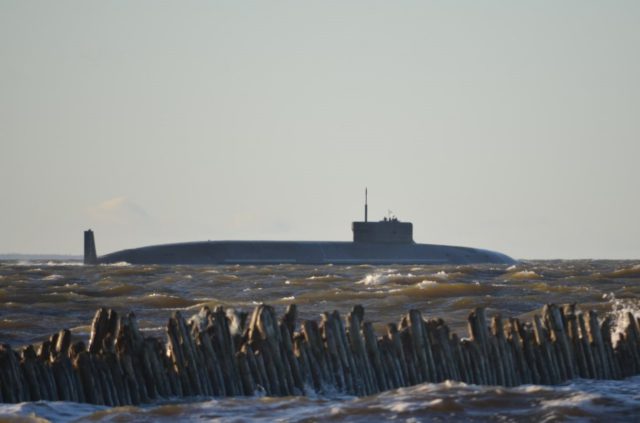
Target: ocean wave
65,263
626,272
441,275
389,278
159,300
9,324
328,278
53,277
226,278
117,290
621,311
522,275
579,400
56,297
426,284
47,411
48,263
116,264
432,289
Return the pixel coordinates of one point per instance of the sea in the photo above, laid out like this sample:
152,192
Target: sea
38,298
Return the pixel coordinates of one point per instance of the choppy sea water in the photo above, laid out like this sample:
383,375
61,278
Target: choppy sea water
39,298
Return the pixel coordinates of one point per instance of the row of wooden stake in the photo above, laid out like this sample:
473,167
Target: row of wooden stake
226,353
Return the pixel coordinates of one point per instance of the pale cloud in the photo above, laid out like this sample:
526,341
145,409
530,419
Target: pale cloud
119,210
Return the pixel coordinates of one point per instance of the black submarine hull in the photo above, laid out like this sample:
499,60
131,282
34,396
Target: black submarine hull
303,252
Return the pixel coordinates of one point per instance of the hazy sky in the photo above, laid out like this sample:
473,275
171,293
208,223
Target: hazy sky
507,125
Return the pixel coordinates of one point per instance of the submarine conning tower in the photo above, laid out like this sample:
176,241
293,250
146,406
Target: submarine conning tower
387,231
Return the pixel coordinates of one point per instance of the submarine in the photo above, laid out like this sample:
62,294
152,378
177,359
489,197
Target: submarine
386,242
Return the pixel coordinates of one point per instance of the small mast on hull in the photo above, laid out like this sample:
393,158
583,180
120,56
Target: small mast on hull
366,207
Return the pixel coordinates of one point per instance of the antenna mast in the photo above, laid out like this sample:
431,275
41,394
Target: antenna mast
366,207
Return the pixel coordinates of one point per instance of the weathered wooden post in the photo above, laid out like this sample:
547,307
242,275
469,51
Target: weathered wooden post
205,357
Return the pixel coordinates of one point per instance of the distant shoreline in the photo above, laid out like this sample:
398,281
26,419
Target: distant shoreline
15,256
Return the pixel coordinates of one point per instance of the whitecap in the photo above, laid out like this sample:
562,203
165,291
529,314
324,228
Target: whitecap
117,264
382,278
621,309
440,275
524,274
65,263
579,399
53,277
400,406
426,284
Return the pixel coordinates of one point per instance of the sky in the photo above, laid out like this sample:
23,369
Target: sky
506,125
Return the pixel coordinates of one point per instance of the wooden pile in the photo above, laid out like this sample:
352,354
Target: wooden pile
223,353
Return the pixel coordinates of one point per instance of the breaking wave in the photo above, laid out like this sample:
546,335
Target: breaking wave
389,278
578,401
627,272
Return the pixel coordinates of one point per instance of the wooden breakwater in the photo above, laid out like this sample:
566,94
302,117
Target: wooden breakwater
227,353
